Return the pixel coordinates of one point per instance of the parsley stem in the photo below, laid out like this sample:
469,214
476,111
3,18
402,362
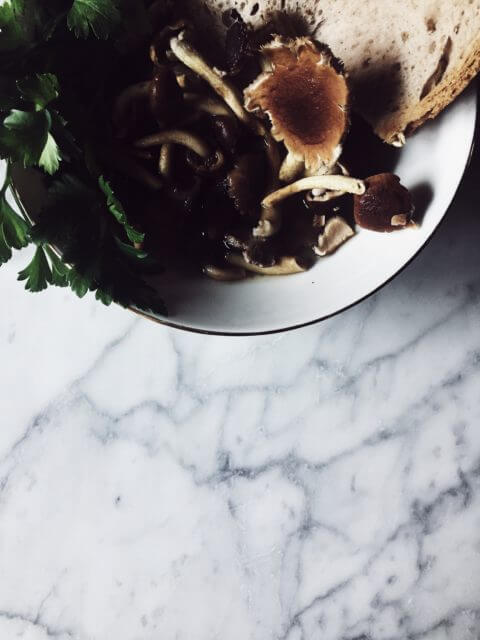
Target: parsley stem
8,178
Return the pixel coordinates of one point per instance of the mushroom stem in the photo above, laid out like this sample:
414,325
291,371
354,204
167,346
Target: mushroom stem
195,61
292,168
175,136
326,182
129,95
133,169
269,223
270,218
286,266
165,160
207,105
224,274
323,195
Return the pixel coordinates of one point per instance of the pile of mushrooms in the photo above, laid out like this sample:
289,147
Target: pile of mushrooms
297,109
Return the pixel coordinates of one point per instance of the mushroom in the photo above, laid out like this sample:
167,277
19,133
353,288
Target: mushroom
126,164
345,184
226,132
238,47
322,195
292,168
165,160
285,266
386,204
305,94
207,104
336,233
224,274
213,163
175,136
195,61
125,100
185,194
270,218
235,241
162,39
244,183
165,96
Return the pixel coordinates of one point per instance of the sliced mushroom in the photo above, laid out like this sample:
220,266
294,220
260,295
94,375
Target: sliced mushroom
345,184
284,267
175,136
292,168
304,92
336,233
224,274
195,61
386,204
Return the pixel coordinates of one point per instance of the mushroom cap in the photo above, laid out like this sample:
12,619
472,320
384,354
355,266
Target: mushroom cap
304,92
336,233
386,204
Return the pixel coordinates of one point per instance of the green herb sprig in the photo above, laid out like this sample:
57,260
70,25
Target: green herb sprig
55,59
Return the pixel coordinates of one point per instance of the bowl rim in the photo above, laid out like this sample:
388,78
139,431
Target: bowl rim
474,87
175,325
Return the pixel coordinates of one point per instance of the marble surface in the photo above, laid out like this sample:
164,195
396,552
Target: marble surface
318,485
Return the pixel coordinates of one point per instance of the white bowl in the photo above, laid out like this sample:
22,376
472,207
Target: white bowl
432,162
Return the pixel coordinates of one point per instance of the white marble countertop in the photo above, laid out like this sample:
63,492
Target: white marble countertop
318,485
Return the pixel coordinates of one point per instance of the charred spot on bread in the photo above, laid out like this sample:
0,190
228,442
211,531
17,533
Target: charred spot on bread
440,70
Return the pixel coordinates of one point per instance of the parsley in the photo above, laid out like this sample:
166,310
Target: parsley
116,209
37,274
98,16
41,89
56,60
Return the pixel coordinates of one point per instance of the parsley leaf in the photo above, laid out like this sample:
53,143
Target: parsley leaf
49,161
5,250
41,89
99,16
116,209
15,229
12,25
24,135
37,274
60,271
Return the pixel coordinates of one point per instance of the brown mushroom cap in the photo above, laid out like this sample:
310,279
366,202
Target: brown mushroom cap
304,92
386,204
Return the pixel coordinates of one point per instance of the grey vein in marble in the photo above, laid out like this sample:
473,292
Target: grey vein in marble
321,485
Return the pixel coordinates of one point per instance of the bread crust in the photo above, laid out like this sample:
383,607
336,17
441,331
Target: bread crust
451,86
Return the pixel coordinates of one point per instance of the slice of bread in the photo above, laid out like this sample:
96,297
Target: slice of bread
407,59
